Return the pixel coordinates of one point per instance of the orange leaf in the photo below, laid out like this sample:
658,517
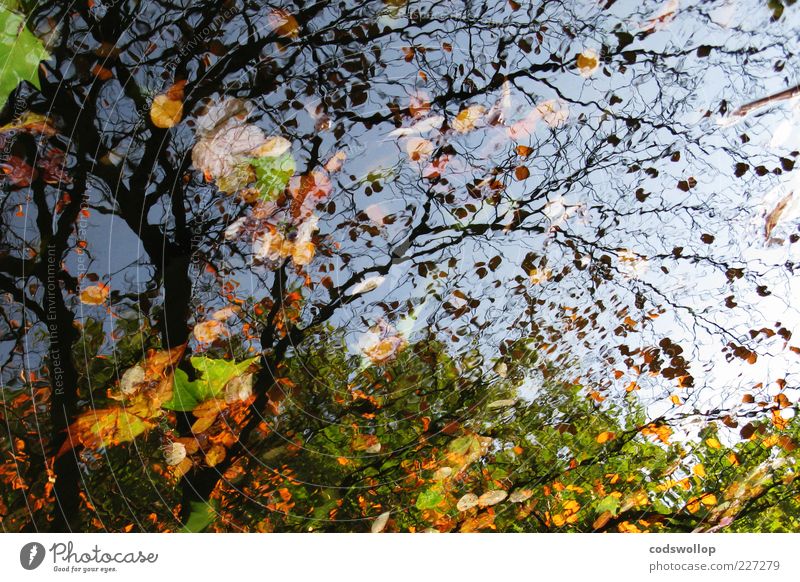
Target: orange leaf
604,437
165,112
215,456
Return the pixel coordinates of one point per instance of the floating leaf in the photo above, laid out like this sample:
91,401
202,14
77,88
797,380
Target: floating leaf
220,153
215,455
380,522
275,244
132,380
283,23
520,495
367,285
95,294
420,127
273,174
166,112
272,148
213,376
384,349
539,276
239,388
174,453
467,118
468,501
209,331
774,217
335,163
587,62
104,427
20,53
492,497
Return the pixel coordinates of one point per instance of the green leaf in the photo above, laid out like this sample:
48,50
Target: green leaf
213,375
429,498
273,174
610,504
201,515
20,52
185,394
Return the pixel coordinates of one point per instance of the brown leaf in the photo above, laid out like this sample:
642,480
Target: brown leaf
602,520
283,23
774,217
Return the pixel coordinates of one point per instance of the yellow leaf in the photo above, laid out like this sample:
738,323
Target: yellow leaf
95,295
713,443
587,63
661,432
778,420
699,470
628,527
480,521
165,112
203,423
215,456
467,118
602,520
539,276
272,148
183,467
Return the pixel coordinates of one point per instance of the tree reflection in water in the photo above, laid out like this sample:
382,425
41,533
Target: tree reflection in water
401,266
